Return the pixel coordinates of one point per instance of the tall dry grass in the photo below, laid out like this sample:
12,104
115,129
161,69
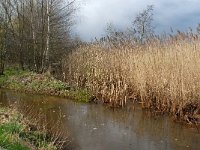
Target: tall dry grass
163,74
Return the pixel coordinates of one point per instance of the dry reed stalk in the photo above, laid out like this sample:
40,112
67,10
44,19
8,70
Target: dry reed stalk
163,75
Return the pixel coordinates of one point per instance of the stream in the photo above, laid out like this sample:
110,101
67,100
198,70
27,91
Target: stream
96,127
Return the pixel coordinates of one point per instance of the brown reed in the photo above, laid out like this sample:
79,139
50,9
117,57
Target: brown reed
162,74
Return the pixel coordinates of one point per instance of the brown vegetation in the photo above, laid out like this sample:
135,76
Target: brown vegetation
162,74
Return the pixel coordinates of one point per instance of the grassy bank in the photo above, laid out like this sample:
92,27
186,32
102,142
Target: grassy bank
30,82
18,133
163,74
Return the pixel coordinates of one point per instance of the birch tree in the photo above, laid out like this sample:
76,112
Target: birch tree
40,29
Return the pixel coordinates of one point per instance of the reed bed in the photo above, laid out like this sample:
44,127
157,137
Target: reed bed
162,74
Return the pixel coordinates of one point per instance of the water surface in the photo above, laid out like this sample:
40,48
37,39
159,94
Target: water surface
95,127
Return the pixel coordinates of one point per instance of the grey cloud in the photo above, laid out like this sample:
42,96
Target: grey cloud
95,14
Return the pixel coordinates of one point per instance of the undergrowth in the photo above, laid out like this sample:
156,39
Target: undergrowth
30,82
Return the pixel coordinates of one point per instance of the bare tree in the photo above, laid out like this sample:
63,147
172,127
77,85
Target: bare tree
116,36
3,29
40,30
198,28
142,24
142,29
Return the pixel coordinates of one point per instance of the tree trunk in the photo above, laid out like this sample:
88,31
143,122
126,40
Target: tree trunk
46,66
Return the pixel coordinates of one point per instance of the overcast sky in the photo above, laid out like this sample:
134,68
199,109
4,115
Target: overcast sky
94,15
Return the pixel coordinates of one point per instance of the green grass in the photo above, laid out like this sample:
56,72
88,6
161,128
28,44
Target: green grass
15,133
31,82
10,128
81,95
9,73
14,71
7,139
25,80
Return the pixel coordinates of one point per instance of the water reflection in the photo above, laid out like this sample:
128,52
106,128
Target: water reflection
94,127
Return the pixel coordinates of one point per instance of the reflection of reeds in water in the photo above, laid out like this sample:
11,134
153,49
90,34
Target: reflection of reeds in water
51,131
162,74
